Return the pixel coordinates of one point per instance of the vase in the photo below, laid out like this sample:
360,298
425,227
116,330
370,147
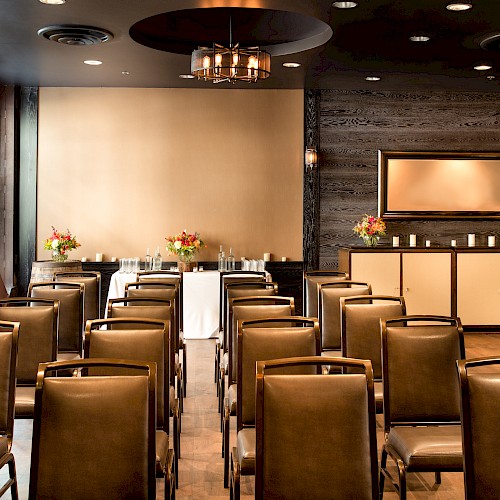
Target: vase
185,265
59,257
371,240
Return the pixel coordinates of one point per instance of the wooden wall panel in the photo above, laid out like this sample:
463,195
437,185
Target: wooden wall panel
354,125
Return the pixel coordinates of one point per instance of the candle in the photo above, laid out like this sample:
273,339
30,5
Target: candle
471,240
395,241
427,243
84,259
453,243
267,257
113,259
283,259
413,240
491,241
98,257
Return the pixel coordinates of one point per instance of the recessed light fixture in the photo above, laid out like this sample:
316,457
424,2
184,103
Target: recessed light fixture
420,38
345,5
187,77
125,73
92,62
53,2
490,77
372,78
291,64
459,7
482,67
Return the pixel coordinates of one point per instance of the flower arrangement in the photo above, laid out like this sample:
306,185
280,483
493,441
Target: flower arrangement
184,245
370,228
60,243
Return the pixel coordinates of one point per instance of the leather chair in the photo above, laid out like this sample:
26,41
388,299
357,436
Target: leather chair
92,282
259,340
329,295
71,301
311,279
9,333
480,407
315,435
147,340
37,344
94,436
360,331
422,431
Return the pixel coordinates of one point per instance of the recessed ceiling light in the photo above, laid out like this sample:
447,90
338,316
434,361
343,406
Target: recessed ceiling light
459,7
345,5
187,77
53,2
482,67
92,62
372,78
291,65
490,77
420,38
125,73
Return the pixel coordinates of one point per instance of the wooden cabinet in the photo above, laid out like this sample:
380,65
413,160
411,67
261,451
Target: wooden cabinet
381,269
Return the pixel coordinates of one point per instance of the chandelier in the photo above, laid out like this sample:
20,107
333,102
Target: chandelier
230,64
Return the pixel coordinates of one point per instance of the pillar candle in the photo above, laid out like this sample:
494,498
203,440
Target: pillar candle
413,240
471,240
427,243
267,257
98,257
491,241
453,243
395,241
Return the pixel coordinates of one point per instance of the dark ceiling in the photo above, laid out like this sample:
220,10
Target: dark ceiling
151,41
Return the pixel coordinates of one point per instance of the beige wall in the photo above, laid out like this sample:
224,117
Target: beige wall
123,168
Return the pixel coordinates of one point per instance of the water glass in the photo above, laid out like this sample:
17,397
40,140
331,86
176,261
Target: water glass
136,265
122,265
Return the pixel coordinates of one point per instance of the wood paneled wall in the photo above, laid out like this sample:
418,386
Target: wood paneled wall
354,125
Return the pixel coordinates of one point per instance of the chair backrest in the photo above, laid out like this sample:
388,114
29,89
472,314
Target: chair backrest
419,355
71,300
311,279
9,334
312,431
94,437
145,340
134,307
480,407
263,339
360,326
92,282
254,307
329,295
38,342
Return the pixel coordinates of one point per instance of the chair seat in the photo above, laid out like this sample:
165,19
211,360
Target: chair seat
428,448
161,452
4,445
232,397
25,402
246,450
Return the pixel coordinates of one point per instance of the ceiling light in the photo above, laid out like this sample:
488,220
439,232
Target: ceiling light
420,38
53,2
291,65
482,67
92,62
187,77
125,73
345,5
459,7
372,78
490,77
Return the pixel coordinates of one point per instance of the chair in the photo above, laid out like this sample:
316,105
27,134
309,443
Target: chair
71,301
37,344
147,340
329,295
259,340
9,333
94,436
315,435
421,396
480,406
360,331
311,279
92,282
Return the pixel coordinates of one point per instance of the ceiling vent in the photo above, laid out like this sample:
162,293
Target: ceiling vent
75,35
491,42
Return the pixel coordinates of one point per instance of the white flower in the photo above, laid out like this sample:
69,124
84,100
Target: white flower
177,244
55,244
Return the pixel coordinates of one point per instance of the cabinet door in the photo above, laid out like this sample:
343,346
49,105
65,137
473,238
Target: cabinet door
381,270
478,288
427,283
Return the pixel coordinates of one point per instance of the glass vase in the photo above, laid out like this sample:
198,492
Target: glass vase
185,263
371,240
59,257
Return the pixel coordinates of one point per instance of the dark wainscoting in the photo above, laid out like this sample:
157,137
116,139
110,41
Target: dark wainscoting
354,125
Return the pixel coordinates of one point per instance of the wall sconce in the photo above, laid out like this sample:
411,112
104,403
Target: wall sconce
311,158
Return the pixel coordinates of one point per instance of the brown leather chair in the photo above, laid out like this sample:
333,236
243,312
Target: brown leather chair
92,282
71,301
9,333
360,331
480,407
260,340
37,344
311,279
422,429
329,295
315,435
94,436
147,340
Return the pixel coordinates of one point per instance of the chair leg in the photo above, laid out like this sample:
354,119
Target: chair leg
217,363
438,477
170,475
225,444
402,479
234,490
383,464
12,482
184,367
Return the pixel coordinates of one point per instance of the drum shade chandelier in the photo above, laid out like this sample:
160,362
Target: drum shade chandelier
230,64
